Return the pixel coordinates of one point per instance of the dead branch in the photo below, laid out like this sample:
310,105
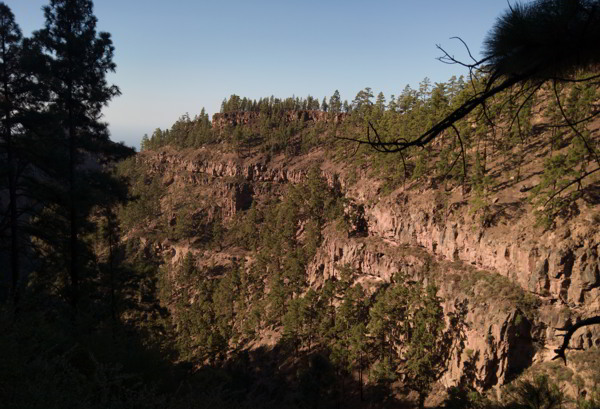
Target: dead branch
464,159
593,77
451,167
571,183
569,332
586,119
516,115
450,59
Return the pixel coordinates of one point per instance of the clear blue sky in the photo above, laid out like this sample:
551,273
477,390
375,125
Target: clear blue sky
178,56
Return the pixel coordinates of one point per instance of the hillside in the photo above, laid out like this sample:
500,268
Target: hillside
273,238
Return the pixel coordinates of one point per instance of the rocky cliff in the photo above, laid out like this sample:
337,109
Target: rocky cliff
518,282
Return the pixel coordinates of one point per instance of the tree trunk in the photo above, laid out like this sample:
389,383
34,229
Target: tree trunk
422,397
360,376
113,303
73,250
14,230
12,182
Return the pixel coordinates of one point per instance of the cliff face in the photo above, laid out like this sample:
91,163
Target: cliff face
517,282
561,266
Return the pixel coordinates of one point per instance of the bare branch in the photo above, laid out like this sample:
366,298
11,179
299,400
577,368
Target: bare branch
559,79
569,332
451,167
450,59
536,88
462,150
404,166
355,151
595,114
469,51
579,179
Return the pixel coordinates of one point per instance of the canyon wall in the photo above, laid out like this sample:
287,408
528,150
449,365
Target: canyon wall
517,282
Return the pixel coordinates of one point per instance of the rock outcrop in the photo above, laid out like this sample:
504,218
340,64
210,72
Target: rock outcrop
517,282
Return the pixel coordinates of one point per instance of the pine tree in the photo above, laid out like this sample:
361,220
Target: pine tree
362,102
335,103
380,102
188,268
358,351
424,349
294,322
309,102
425,89
392,105
407,99
324,105
145,143
12,95
77,62
276,298
347,107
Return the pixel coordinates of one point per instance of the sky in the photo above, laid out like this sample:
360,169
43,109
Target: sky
178,56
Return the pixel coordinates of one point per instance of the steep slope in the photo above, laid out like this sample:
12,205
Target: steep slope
517,281
453,264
